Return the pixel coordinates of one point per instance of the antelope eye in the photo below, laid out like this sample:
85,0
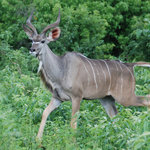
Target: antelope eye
43,41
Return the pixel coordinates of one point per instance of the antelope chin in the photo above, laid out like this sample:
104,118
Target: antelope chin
33,54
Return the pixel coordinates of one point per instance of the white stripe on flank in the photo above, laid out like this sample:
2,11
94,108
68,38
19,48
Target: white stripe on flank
116,65
93,73
86,72
109,74
121,78
132,77
117,73
98,75
103,73
97,72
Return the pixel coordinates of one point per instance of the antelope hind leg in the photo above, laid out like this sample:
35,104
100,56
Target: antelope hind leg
108,103
141,101
75,109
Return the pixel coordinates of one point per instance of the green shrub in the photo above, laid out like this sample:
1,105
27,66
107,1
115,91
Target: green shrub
98,29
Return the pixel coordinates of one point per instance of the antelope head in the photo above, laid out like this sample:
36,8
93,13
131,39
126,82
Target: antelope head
38,40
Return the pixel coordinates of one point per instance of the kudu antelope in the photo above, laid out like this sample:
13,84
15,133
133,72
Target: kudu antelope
73,77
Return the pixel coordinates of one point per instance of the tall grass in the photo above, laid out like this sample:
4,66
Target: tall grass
23,99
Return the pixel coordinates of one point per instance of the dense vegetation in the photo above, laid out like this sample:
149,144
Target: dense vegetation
114,29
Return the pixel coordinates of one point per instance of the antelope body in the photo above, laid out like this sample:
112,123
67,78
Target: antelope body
74,77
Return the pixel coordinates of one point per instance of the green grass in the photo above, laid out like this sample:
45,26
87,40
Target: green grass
23,99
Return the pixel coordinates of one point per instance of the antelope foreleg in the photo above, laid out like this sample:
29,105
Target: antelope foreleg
54,103
75,108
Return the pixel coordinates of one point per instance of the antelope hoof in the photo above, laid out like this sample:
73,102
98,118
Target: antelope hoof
74,125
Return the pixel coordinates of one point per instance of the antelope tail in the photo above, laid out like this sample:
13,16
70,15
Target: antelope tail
144,64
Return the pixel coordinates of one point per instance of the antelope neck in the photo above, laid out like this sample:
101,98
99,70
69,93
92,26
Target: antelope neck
51,63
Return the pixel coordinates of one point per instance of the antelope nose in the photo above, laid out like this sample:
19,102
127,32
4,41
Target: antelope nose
32,49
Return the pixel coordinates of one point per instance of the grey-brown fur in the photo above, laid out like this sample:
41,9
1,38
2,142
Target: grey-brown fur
74,77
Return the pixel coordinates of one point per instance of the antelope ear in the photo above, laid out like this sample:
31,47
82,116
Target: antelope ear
54,34
28,32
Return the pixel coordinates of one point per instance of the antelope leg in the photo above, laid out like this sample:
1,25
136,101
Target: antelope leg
75,108
54,103
108,103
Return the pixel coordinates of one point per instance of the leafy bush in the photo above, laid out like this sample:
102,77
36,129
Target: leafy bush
23,99
98,29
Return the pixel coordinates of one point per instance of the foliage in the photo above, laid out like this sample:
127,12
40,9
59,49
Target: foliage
138,46
23,99
98,29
